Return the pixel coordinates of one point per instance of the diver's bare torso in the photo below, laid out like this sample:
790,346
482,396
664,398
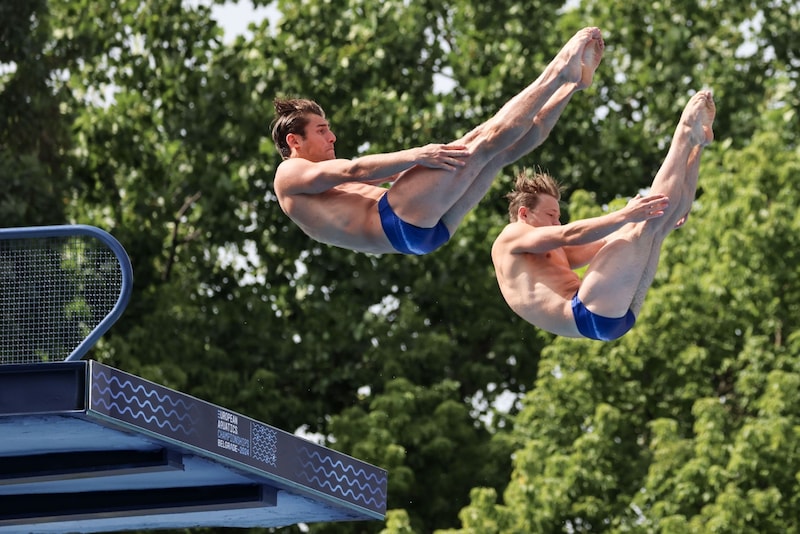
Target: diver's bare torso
345,215
538,287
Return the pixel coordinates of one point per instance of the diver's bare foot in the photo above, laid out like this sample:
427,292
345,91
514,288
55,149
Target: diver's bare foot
582,55
698,116
590,60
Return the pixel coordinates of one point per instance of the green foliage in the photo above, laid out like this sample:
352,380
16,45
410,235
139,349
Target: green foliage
141,118
689,423
34,130
409,428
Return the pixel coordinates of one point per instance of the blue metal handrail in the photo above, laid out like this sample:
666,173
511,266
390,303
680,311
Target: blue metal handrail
59,274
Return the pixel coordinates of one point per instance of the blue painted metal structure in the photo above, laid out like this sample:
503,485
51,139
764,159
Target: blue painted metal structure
89,448
32,257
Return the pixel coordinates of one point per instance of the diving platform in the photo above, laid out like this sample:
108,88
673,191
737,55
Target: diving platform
86,447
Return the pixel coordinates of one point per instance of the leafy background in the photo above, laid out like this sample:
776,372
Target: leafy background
139,117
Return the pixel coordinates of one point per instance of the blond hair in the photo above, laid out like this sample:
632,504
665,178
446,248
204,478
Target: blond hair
527,190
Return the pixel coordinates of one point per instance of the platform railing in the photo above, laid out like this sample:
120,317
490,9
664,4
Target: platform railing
61,289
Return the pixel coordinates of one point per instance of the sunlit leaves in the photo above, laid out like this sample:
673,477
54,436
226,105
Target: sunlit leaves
140,118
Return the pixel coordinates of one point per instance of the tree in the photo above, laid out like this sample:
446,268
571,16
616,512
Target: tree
34,132
688,423
160,134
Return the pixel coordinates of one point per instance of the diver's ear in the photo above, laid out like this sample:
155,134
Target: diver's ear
293,140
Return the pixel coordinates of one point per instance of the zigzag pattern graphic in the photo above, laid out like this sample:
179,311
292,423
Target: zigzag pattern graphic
343,479
265,444
177,415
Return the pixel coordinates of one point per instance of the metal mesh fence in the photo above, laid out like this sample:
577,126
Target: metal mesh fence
54,291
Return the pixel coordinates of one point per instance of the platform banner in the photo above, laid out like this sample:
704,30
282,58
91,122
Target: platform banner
293,462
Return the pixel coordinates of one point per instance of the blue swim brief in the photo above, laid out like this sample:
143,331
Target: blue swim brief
598,327
407,238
